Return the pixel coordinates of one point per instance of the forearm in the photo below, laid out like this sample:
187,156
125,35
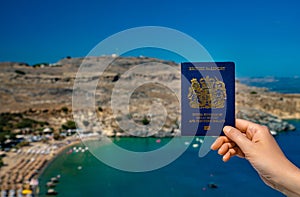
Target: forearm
289,181
255,143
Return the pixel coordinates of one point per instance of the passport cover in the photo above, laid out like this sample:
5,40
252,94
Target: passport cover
207,98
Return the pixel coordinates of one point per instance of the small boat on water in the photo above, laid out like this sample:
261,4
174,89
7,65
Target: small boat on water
54,179
50,184
212,185
52,192
195,145
274,133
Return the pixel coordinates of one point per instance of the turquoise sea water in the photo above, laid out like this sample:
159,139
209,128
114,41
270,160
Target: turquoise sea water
276,84
189,175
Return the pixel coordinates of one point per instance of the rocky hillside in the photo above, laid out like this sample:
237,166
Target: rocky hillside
44,93
285,106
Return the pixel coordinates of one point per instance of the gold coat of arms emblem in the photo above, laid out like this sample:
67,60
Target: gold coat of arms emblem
207,93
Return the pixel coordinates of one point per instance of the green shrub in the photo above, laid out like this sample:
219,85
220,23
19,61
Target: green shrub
26,122
40,64
3,136
65,109
20,72
69,125
42,123
30,123
1,162
56,136
145,121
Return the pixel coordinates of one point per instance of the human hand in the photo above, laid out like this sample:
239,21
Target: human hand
255,143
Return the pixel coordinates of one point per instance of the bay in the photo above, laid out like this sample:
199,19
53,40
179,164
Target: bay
286,85
189,175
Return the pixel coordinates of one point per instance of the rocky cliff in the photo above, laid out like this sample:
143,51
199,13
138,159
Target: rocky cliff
44,93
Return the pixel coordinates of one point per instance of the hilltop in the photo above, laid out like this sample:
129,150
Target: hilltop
44,93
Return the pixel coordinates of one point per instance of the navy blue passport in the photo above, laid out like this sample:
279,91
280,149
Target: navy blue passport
207,98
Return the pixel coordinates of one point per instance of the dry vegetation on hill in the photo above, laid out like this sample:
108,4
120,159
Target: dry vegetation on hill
44,93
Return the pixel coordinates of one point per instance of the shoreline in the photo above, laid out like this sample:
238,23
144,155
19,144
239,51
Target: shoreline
25,157
27,165
58,153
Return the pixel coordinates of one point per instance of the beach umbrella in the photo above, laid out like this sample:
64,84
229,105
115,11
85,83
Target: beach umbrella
26,191
34,182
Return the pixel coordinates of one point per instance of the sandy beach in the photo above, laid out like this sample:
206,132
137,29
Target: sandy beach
22,168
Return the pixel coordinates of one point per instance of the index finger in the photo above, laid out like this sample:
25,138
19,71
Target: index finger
220,141
243,125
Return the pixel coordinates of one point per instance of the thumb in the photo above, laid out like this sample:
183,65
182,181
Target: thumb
238,137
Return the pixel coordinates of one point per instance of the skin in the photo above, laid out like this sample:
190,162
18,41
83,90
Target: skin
255,143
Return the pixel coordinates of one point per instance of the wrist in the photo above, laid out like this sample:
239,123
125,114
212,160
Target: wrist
289,180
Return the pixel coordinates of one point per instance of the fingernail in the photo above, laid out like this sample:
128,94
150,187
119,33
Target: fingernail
227,129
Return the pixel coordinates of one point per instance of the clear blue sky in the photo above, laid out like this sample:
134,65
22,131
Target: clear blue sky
262,37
